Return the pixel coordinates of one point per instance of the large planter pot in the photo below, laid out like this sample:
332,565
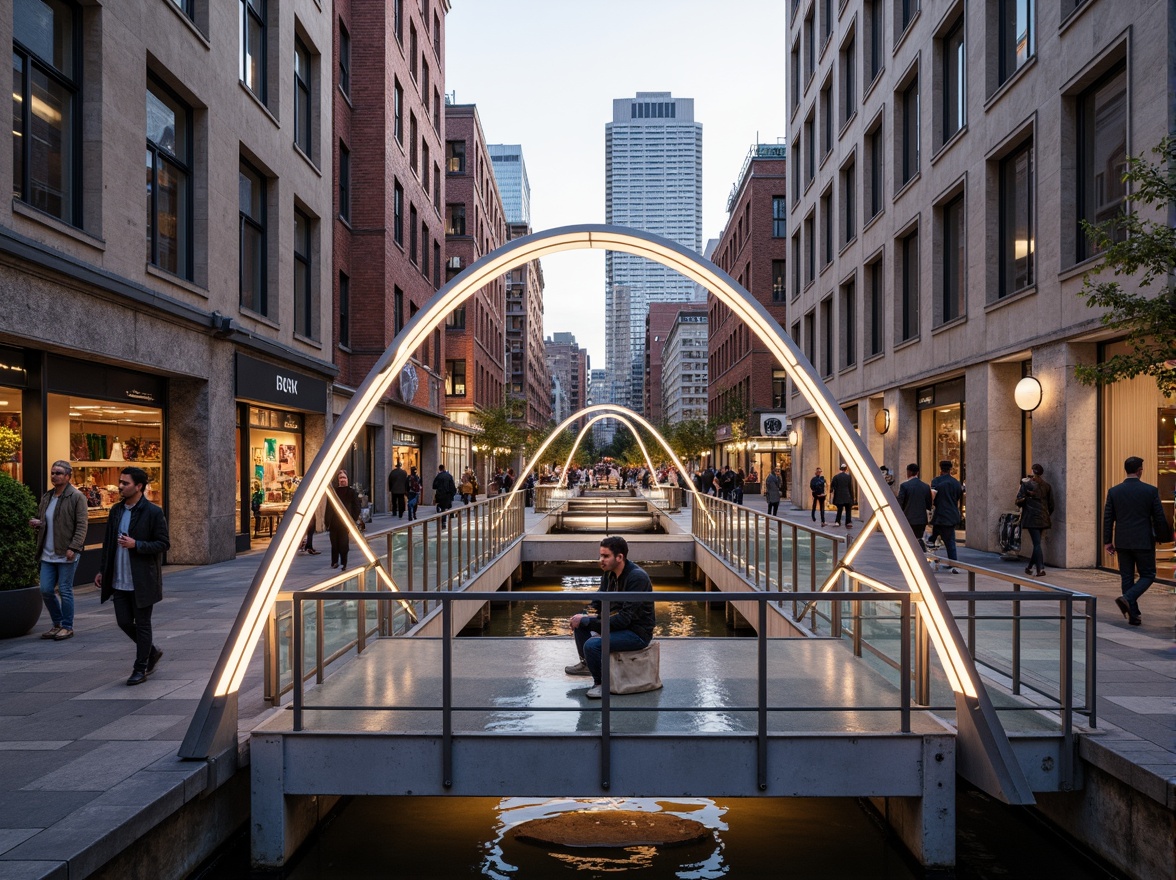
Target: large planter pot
19,611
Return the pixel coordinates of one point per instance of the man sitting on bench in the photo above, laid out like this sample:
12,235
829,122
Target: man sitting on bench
630,623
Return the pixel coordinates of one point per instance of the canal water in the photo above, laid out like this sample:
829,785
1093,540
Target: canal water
750,838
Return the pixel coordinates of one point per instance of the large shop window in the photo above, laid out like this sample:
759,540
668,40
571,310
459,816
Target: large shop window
11,463
943,433
275,465
103,438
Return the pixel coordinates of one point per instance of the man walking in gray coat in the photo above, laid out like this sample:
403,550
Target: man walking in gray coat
1133,523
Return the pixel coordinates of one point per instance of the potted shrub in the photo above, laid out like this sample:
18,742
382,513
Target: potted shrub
20,594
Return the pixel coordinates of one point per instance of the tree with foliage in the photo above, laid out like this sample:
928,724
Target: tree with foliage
689,438
497,428
1142,247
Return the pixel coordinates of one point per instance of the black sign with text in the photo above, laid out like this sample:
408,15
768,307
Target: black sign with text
268,383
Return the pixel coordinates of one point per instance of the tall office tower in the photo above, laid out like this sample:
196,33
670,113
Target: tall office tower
684,367
653,182
528,380
600,391
511,173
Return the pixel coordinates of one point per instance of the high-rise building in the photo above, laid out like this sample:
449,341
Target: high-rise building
568,365
659,318
475,341
653,182
746,384
684,367
940,167
513,185
388,226
600,391
528,380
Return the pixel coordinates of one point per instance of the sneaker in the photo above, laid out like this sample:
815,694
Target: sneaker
52,633
314,552
593,693
953,571
156,656
136,678
580,668
64,633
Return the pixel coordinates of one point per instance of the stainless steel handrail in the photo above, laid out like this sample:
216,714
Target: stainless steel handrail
904,707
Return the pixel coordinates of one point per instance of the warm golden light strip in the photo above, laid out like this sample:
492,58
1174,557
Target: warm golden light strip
366,549
579,437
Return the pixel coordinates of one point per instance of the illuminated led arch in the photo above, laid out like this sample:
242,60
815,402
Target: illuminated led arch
214,725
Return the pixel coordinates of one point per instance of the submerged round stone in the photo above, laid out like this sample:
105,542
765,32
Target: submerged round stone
611,828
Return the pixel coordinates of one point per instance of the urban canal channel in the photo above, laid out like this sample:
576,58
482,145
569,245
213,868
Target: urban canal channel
797,838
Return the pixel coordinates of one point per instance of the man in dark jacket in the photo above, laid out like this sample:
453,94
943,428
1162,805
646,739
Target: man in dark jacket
61,523
398,489
630,624
444,490
1133,522
842,488
946,494
914,497
131,569
817,486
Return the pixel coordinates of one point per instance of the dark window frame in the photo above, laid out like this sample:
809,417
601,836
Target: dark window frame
954,68
779,217
344,59
303,99
162,157
954,271
1008,206
259,225
304,311
344,310
344,182
257,12
1086,133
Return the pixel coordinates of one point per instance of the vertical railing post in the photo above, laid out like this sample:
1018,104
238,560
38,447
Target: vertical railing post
904,712
446,689
296,652
1016,642
795,566
1066,692
605,701
270,681
857,619
318,642
1091,660
972,615
762,697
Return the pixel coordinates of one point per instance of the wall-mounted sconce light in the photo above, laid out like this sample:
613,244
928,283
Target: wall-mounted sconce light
1027,394
793,437
882,421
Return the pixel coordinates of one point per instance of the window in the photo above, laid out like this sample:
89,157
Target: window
456,320
455,152
344,183
436,264
344,310
302,98
909,105
875,316
796,263
437,35
951,298
398,20
875,15
826,20
827,227
848,324
344,60
848,80
398,214
169,181
425,250
185,6
45,113
456,218
849,203
810,249
413,51
412,142
397,310
810,49
779,280
398,113
906,10
305,299
1015,35
954,81
425,84
455,378
794,78
252,23
1102,156
779,384
1016,221
412,233
810,148
876,147
779,217
437,187
437,110
827,117
908,318
252,191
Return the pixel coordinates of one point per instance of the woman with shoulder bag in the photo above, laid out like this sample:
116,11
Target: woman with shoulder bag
1035,499
337,525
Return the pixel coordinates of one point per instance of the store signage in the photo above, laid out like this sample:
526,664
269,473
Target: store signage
409,383
84,379
773,424
291,422
12,369
406,438
269,383
925,397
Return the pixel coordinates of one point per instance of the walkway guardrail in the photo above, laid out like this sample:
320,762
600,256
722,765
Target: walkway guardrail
429,556
902,621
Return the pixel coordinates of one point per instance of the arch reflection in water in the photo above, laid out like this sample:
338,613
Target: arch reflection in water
508,859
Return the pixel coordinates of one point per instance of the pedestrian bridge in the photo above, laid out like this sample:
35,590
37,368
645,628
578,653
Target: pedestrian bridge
864,676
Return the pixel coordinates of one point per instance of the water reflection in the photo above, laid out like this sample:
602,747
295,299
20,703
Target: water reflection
507,858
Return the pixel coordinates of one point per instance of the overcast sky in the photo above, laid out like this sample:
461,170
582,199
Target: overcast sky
544,72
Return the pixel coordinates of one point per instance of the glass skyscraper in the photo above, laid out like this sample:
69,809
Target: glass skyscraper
653,182
511,173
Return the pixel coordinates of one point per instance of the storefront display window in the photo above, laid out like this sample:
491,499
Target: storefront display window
11,433
276,465
406,450
455,453
101,439
943,433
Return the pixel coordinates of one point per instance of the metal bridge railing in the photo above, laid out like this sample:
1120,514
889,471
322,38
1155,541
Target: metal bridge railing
429,556
902,705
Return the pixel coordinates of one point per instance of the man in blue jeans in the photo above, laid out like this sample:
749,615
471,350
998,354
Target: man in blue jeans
61,523
630,623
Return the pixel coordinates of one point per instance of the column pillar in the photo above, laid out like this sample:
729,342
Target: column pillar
993,453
